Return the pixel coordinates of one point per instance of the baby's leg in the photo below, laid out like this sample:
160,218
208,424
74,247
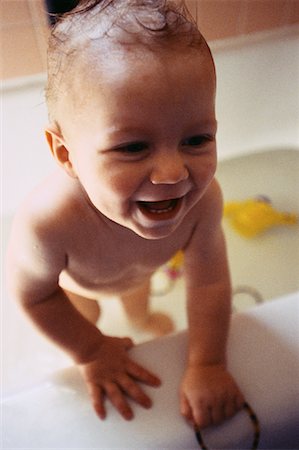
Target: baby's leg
89,308
136,306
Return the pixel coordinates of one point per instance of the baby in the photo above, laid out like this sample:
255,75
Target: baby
131,100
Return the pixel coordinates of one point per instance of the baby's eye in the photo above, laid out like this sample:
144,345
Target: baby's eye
133,148
197,141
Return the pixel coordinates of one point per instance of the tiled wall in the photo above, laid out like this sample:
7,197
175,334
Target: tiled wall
24,27
220,19
23,37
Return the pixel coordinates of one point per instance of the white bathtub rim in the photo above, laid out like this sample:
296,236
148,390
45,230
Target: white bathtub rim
262,149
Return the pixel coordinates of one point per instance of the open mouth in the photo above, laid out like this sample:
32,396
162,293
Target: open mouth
162,210
159,207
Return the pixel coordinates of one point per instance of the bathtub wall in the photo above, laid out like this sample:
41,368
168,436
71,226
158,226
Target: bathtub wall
24,28
257,95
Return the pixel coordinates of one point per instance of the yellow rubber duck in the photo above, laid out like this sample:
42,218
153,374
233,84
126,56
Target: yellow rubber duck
249,218
254,216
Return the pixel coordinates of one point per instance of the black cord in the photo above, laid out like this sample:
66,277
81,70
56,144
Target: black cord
256,428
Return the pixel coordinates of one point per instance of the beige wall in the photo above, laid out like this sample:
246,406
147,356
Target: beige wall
219,19
24,28
23,31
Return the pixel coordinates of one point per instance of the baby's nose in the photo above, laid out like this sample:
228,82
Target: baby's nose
169,169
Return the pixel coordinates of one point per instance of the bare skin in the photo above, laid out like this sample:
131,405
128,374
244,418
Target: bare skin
135,302
136,305
137,185
89,309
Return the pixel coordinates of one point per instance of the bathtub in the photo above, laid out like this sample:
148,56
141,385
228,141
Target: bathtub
263,356
258,142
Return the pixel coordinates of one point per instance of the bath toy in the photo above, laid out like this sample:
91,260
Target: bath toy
174,267
254,216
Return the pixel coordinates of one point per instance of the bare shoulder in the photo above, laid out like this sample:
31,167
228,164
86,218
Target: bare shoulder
50,206
37,239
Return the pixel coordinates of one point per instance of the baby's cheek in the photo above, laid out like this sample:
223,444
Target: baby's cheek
122,185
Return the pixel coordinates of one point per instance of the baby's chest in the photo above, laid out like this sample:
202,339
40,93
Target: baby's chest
108,262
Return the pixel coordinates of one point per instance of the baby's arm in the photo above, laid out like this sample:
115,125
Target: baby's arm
209,394
35,260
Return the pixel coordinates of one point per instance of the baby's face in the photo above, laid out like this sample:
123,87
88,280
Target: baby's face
143,143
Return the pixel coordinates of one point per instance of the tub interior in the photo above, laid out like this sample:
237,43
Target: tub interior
269,262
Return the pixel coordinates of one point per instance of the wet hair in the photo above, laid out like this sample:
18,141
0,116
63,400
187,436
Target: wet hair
125,24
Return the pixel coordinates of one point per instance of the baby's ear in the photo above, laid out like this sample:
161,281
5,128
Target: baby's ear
59,150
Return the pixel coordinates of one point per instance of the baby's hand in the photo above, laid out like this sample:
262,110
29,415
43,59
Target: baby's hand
113,374
209,395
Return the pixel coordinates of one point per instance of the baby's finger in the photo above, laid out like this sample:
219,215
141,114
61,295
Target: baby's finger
97,396
217,413
143,375
230,409
186,410
133,390
202,416
118,400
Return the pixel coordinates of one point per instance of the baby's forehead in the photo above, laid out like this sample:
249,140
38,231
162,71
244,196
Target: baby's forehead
103,71
101,63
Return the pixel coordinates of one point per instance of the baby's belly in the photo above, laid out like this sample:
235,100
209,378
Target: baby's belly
96,290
